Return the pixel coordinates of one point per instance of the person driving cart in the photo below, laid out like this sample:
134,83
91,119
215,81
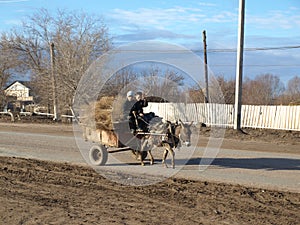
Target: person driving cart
138,112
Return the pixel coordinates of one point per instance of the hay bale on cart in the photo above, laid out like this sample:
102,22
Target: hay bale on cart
97,122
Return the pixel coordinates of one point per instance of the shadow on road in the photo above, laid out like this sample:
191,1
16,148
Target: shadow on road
249,163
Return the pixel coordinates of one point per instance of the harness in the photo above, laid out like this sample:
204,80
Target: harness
172,136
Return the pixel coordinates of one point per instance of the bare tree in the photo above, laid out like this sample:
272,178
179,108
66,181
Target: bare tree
293,89
227,88
78,40
118,82
162,83
9,65
4,77
196,95
263,90
156,82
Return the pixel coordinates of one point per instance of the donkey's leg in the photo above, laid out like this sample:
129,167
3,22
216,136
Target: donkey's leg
167,150
164,157
173,157
151,157
142,162
143,143
141,158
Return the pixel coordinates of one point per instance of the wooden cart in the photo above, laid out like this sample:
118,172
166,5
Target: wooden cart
120,139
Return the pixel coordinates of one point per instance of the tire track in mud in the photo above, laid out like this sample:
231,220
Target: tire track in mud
34,191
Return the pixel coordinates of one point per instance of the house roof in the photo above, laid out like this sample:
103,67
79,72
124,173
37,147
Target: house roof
25,83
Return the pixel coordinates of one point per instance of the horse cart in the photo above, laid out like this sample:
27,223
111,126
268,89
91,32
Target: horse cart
122,139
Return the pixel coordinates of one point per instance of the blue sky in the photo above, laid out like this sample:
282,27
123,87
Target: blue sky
269,23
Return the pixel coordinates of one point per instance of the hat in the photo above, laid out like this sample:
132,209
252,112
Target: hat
130,93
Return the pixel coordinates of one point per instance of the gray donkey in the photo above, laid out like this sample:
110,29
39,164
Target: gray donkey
177,134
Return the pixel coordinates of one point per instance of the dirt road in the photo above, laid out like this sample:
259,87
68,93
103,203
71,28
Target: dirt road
252,163
44,192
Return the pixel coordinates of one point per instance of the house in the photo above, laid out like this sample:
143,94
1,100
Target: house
18,96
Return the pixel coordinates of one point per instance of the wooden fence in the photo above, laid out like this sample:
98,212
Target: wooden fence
253,116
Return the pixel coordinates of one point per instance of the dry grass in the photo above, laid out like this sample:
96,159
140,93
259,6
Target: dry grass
100,113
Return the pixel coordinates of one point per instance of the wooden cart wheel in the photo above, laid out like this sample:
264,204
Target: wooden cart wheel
98,155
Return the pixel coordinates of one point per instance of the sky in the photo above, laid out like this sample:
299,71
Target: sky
269,24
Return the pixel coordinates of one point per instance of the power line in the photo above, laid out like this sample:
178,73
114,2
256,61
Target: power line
257,65
253,49
208,50
221,50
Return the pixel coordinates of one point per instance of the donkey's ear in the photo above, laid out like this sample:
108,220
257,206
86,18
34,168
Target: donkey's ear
180,122
191,123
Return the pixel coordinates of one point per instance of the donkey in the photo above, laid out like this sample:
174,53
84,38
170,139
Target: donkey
179,134
176,134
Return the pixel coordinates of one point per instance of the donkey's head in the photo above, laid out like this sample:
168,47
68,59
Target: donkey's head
184,132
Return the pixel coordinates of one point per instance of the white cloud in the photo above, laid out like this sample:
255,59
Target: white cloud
150,34
179,17
13,22
174,18
207,4
222,17
174,23
20,10
13,1
276,19
293,8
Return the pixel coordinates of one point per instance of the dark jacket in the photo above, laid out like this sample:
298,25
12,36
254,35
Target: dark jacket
127,108
138,106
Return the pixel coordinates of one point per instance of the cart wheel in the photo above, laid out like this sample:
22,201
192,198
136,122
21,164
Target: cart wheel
98,155
137,156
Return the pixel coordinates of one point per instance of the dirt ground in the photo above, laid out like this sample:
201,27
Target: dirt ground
265,135
41,192
44,192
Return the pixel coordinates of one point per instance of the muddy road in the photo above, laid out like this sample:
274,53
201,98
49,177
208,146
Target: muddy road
57,187
43,192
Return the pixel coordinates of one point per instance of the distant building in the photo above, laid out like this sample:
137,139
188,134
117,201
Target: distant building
18,96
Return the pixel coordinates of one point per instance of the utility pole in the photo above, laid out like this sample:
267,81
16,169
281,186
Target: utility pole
205,67
239,67
53,79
